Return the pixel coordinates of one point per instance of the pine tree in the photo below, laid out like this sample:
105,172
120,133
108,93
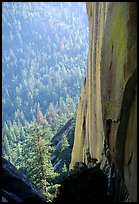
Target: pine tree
12,134
64,152
5,130
36,152
17,158
7,149
64,169
21,131
40,117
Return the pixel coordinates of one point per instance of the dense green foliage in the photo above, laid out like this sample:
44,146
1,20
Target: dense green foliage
44,51
36,152
63,154
44,56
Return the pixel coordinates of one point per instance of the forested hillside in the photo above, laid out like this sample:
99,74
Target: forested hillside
46,157
44,58
44,51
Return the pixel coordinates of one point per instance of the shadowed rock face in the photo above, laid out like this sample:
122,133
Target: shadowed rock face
17,187
68,130
106,124
83,185
65,129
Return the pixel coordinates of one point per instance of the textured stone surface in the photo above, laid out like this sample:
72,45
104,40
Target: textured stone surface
106,122
78,154
16,187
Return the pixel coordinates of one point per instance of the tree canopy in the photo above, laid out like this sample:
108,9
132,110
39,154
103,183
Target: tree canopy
44,57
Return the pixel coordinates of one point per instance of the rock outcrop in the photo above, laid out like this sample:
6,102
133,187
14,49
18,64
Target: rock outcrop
68,130
106,124
65,129
16,187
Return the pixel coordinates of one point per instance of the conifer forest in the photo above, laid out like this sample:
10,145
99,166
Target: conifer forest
69,102
44,60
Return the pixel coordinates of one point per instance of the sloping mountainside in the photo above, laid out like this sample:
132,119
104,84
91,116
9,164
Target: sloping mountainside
106,124
44,52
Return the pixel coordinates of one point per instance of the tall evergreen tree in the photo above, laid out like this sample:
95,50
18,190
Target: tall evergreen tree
7,148
36,152
39,116
64,154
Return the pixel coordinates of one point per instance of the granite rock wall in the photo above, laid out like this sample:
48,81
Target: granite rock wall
106,124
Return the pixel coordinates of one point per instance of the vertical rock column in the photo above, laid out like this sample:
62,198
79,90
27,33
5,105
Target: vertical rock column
89,135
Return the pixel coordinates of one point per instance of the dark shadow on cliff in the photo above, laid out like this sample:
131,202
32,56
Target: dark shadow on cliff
85,185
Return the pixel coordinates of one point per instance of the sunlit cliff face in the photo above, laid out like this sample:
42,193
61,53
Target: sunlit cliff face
106,117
